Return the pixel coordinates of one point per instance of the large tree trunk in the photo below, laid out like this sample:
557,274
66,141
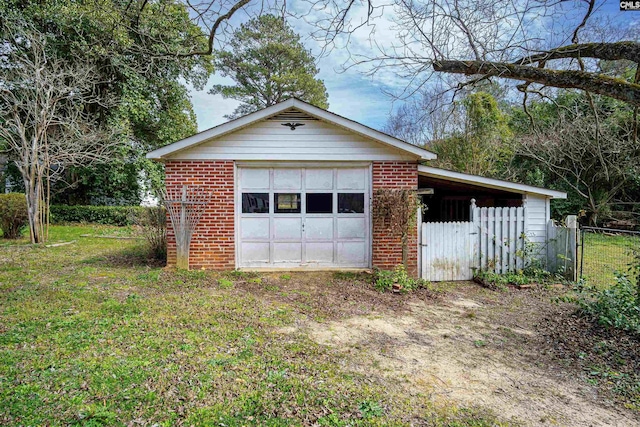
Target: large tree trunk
32,186
596,83
33,207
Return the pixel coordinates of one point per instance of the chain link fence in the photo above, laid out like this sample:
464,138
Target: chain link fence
605,252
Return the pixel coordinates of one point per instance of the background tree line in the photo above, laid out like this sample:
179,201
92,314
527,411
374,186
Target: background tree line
568,141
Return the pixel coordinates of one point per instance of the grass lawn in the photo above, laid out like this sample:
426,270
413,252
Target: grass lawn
93,333
606,255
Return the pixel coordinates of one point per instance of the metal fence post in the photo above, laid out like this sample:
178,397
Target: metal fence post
581,251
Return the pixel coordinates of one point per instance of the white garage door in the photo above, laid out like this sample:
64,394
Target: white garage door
309,217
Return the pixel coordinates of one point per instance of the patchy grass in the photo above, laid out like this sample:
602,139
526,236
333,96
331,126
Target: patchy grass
604,255
496,349
94,333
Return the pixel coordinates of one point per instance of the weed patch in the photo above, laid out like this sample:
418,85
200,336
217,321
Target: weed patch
225,283
397,280
617,306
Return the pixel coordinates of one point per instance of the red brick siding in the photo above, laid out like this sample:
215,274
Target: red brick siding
212,243
387,247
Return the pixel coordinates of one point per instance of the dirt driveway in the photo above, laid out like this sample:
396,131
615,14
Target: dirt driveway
469,346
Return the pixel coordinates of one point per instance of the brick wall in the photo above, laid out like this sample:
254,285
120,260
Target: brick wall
212,244
387,247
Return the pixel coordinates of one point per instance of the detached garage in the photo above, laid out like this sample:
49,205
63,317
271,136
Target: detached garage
292,187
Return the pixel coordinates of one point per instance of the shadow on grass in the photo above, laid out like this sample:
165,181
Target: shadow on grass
136,256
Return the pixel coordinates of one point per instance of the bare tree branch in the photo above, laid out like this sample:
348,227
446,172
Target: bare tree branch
596,83
628,50
496,37
595,159
45,123
216,25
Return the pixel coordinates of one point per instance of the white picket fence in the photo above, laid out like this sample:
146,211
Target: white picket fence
501,238
495,240
492,240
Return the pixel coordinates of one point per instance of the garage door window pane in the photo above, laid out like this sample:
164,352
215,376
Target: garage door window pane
287,203
351,203
319,203
255,202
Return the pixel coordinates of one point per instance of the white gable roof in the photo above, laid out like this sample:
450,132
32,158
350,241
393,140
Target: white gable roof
481,181
318,113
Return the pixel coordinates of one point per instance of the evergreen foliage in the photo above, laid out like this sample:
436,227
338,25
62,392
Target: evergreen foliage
268,64
484,143
107,215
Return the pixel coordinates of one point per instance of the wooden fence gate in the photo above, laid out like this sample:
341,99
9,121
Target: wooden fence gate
493,240
448,251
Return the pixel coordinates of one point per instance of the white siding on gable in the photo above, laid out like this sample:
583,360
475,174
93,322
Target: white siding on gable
270,140
537,217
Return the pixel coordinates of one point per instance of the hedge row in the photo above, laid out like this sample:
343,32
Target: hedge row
109,215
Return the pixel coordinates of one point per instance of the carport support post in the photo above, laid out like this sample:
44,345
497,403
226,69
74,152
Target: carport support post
420,247
472,209
474,249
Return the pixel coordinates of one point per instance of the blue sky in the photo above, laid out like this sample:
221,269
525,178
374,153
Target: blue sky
351,93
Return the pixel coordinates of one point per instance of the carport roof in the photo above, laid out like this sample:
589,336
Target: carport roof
481,181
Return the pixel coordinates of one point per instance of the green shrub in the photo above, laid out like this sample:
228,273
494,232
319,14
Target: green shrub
108,215
13,215
384,280
616,307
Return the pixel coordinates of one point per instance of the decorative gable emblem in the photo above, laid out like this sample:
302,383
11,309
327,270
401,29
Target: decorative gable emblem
293,126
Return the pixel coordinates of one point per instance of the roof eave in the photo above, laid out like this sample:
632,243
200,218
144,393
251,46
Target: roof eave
489,182
164,152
